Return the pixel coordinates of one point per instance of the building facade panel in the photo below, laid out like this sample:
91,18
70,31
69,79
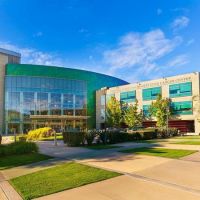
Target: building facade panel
35,91
183,90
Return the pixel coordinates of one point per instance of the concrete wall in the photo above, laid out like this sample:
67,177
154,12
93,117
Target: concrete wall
164,84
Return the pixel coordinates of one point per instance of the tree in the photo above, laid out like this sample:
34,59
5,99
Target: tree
113,113
160,109
132,117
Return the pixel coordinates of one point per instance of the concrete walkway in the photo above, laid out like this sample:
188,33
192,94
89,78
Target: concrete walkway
65,154
158,177
7,192
124,188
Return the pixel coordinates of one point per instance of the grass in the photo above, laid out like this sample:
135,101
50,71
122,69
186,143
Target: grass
59,178
7,162
150,141
189,142
102,146
161,152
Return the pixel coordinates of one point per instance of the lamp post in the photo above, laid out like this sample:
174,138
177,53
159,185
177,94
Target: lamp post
167,119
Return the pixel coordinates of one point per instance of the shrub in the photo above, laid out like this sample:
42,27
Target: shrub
143,134
103,136
116,137
18,148
40,133
89,137
174,131
21,138
164,133
74,138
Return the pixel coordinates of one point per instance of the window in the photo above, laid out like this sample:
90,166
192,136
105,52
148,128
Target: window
151,93
180,90
127,97
103,100
182,108
103,114
55,105
146,110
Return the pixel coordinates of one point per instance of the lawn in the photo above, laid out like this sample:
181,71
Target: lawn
7,162
102,146
59,178
161,152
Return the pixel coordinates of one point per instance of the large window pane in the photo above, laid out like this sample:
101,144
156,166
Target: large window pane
182,108
180,90
151,93
128,97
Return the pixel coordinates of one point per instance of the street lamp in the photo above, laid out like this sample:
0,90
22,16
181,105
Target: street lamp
167,119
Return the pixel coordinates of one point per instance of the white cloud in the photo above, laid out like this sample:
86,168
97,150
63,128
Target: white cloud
189,42
38,34
33,56
179,60
180,23
140,52
159,11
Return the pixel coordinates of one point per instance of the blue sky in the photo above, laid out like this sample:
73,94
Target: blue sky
131,39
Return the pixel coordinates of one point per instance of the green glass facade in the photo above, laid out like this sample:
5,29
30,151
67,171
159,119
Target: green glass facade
182,108
128,97
180,90
146,110
49,90
151,93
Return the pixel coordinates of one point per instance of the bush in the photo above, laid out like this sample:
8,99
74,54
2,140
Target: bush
89,137
103,136
164,133
22,138
143,134
173,131
40,133
18,148
116,137
74,138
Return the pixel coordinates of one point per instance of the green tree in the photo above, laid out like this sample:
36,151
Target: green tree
113,113
160,109
133,118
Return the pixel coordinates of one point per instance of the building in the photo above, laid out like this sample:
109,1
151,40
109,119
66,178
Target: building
183,90
33,96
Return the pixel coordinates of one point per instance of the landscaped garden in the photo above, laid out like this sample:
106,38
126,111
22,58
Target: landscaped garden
161,152
59,178
19,153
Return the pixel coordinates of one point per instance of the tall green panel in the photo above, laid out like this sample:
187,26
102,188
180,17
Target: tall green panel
94,80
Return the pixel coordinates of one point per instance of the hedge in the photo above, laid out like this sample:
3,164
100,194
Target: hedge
18,148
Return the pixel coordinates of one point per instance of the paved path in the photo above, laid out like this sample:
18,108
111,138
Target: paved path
125,188
66,154
7,192
172,178
125,163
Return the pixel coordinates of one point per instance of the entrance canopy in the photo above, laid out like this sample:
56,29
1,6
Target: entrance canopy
54,117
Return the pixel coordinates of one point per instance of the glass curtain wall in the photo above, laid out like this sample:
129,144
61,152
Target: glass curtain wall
26,96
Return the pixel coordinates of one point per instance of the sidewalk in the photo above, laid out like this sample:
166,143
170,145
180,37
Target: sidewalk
7,192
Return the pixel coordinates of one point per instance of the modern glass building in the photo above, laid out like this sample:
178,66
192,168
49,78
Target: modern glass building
37,96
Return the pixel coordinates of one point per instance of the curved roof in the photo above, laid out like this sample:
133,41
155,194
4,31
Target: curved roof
56,72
